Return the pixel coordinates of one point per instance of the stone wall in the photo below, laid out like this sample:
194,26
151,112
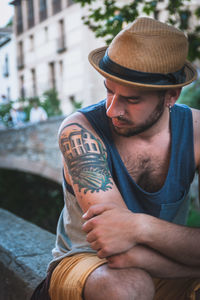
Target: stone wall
33,148
25,251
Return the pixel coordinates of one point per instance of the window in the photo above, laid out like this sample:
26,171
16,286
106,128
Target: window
56,6
46,33
22,90
8,93
19,18
43,10
70,2
61,40
156,14
30,13
20,58
52,75
31,39
61,68
94,147
73,144
34,86
6,67
87,147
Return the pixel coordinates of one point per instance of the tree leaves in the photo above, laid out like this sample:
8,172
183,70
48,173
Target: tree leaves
106,18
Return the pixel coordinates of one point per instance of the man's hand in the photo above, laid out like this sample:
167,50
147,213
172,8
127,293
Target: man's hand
111,229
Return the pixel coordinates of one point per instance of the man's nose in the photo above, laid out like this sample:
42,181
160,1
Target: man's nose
114,107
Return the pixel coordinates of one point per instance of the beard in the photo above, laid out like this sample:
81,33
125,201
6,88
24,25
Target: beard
150,121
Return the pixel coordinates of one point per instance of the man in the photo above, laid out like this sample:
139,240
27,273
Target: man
37,113
18,115
128,165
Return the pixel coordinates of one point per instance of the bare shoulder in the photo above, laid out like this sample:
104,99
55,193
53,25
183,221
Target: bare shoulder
85,163
196,126
77,129
79,132
76,118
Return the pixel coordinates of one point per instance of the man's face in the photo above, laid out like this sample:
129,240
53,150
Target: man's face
131,110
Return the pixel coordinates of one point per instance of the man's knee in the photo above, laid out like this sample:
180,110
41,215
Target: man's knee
119,284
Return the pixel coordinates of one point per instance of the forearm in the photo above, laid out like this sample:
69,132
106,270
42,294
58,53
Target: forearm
179,243
153,262
127,229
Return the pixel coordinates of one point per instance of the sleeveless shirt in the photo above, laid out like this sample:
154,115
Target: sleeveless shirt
169,203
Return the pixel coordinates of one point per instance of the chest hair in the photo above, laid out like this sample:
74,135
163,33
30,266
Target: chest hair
148,170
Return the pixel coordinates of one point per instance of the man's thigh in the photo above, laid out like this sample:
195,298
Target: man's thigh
85,276
106,283
69,277
74,273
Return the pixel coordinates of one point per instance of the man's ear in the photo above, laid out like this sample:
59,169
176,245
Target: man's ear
172,96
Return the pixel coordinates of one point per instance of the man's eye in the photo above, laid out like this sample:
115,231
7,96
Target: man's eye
133,100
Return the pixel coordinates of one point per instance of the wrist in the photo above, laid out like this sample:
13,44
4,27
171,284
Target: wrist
144,228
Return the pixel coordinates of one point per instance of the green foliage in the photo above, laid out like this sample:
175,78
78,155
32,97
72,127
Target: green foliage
10,22
76,104
51,103
27,105
194,217
5,117
194,42
108,17
191,95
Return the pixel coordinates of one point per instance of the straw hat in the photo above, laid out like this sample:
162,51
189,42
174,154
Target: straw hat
147,53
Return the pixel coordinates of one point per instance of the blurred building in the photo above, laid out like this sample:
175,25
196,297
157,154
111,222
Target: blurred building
8,70
52,49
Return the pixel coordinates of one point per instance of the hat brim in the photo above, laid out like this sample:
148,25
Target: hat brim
96,55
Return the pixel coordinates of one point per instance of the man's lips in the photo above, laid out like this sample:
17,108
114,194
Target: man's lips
119,123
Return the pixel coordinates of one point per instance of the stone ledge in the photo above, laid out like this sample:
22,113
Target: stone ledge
25,251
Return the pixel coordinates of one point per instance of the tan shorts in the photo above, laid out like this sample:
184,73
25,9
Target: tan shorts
69,277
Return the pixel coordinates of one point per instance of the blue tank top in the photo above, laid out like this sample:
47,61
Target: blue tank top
170,202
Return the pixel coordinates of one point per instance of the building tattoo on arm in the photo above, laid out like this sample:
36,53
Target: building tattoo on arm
86,159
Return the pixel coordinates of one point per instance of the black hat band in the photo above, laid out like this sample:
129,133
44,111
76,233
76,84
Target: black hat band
109,66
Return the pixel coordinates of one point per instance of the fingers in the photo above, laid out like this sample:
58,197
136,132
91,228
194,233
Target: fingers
90,225
112,262
95,246
97,209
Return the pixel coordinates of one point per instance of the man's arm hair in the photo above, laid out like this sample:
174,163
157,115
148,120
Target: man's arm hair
155,263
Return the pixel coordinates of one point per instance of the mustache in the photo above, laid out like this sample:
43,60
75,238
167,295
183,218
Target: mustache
122,118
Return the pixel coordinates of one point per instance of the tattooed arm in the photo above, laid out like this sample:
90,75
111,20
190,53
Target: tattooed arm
85,164
86,170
